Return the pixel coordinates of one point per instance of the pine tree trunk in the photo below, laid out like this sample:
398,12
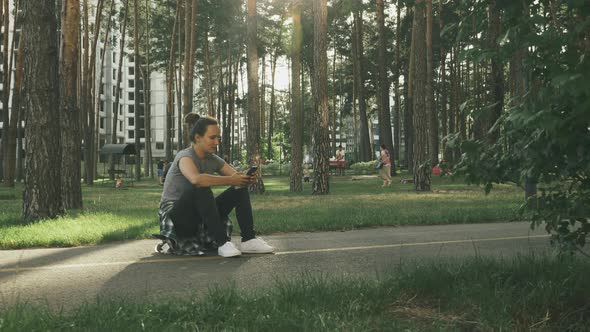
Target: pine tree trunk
271,119
409,102
170,74
253,140
397,129
137,106
430,105
42,193
296,172
207,68
263,96
497,74
186,93
420,116
145,74
10,152
365,149
383,108
5,16
71,189
321,146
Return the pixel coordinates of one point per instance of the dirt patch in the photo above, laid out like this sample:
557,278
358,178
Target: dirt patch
410,309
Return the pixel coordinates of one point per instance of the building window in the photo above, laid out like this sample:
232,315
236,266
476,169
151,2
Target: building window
131,109
114,74
131,83
131,71
131,133
101,123
121,125
131,96
159,145
131,121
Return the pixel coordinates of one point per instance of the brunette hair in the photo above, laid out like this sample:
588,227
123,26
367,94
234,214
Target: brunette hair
201,125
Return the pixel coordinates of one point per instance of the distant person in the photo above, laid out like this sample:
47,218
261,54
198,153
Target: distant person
436,170
340,163
385,171
161,171
306,173
189,213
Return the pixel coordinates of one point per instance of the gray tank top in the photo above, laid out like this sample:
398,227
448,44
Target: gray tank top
176,184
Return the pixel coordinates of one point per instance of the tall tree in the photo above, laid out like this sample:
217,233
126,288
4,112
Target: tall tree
365,149
383,94
170,75
42,194
189,47
87,97
429,90
136,92
321,130
296,173
253,140
497,69
10,138
397,113
117,88
71,190
5,22
420,118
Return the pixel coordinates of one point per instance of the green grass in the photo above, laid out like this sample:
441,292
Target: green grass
523,293
112,215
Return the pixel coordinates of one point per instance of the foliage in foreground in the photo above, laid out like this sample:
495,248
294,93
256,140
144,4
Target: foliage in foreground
112,215
475,294
545,131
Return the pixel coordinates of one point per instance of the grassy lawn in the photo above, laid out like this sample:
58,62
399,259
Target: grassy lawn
479,294
111,215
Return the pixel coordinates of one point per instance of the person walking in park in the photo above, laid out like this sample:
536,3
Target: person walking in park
385,171
189,213
161,164
340,163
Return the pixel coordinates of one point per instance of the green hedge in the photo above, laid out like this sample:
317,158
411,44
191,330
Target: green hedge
367,167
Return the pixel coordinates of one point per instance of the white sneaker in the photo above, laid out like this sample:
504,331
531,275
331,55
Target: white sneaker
228,250
256,246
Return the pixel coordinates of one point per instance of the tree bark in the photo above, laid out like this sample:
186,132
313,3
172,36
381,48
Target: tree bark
365,149
137,106
253,139
296,172
383,108
497,74
5,17
430,105
118,89
321,136
10,152
420,117
409,103
71,189
397,117
170,74
42,194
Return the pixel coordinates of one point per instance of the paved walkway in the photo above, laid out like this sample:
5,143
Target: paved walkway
70,276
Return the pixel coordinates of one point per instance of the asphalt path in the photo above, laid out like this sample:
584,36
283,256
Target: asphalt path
68,277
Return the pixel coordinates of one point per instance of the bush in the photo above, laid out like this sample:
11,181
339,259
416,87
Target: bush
272,168
367,167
